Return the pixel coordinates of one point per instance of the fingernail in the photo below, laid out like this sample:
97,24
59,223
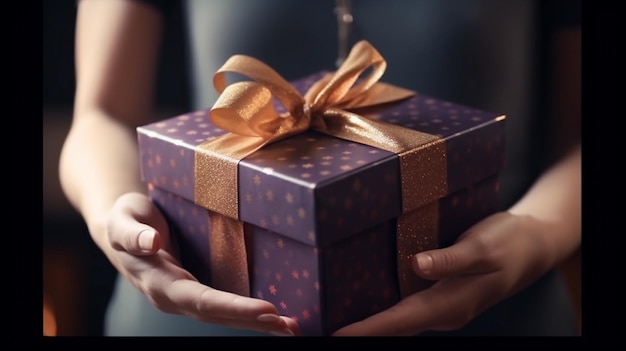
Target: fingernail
268,317
146,239
284,332
424,262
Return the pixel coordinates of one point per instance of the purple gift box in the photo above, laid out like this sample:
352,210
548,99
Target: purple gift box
321,214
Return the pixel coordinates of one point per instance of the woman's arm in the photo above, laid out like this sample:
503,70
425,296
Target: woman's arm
555,201
116,50
492,260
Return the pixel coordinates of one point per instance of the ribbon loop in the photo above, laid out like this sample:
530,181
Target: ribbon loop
246,109
340,89
263,74
248,120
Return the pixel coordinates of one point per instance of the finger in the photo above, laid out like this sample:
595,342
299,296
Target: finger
447,305
442,263
130,226
469,255
291,329
172,289
135,238
225,308
292,325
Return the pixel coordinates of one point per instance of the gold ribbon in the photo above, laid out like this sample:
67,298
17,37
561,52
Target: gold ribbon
246,110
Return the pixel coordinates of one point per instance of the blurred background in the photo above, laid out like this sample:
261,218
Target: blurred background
77,278
73,268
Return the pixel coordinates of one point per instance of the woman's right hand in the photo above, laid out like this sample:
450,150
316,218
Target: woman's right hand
117,46
142,250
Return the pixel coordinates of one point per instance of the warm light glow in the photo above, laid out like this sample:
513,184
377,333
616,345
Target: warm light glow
49,322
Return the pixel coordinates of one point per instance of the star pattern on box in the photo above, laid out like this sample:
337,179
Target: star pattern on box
288,206
321,210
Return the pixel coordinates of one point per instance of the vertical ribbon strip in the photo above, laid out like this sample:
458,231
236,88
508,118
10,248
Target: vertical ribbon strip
246,110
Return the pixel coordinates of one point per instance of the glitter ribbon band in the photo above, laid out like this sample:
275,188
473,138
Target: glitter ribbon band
246,110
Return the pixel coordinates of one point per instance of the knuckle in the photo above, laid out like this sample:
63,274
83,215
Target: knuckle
202,306
482,245
485,252
447,260
154,290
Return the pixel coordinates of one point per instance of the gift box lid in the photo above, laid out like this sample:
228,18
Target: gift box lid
317,188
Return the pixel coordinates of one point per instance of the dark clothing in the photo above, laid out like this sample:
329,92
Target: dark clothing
484,53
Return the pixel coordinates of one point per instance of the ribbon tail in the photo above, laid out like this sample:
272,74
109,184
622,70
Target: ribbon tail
417,231
382,93
229,264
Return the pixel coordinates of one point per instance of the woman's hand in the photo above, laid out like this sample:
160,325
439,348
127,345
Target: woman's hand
142,250
492,260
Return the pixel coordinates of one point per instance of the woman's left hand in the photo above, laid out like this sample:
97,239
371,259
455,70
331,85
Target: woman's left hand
494,259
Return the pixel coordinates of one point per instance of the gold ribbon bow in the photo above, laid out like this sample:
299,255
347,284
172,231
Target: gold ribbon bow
246,110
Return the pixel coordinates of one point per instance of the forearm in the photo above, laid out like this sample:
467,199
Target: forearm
99,162
116,48
555,201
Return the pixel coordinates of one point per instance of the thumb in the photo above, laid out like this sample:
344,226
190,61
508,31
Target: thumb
137,239
462,258
136,226
147,241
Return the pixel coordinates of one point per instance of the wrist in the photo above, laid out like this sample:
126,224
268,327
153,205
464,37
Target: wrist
553,240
